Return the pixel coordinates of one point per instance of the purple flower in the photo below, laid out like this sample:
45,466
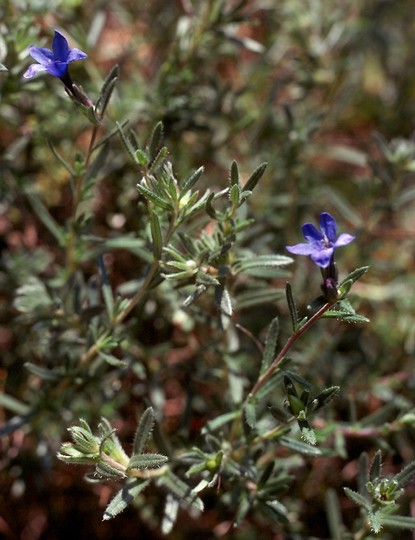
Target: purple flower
321,244
55,62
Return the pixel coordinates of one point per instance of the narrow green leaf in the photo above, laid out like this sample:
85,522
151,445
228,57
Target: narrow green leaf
45,217
181,490
61,160
356,274
98,163
157,161
219,422
106,288
250,411
146,461
12,404
224,301
300,447
261,261
127,143
400,522
110,135
106,91
405,475
358,499
156,235
171,510
275,510
108,472
209,207
270,345
191,181
234,196
112,360
155,140
141,157
375,466
234,175
144,429
152,197
43,373
124,497
292,306
242,510
255,177
258,297
334,516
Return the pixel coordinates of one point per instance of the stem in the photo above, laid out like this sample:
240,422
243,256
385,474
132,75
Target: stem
290,342
79,180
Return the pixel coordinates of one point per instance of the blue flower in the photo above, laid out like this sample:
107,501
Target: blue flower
321,244
54,62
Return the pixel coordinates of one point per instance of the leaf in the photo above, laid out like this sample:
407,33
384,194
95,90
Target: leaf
224,300
153,197
98,163
61,160
43,214
250,411
12,404
300,447
158,159
211,212
375,467
234,174
356,274
191,181
127,143
405,475
156,235
144,429
220,421
106,288
32,295
181,490
112,360
358,499
261,261
124,497
270,344
292,306
234,196
108,472
43,373
255,177
258,297
146,461
171,510
275,510
155,140
106,91
401,522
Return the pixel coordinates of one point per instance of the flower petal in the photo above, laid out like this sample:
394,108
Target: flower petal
328,226
344,239
311,233
60,47
33,70
301,249
323,257
57,69
75,54
41,54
